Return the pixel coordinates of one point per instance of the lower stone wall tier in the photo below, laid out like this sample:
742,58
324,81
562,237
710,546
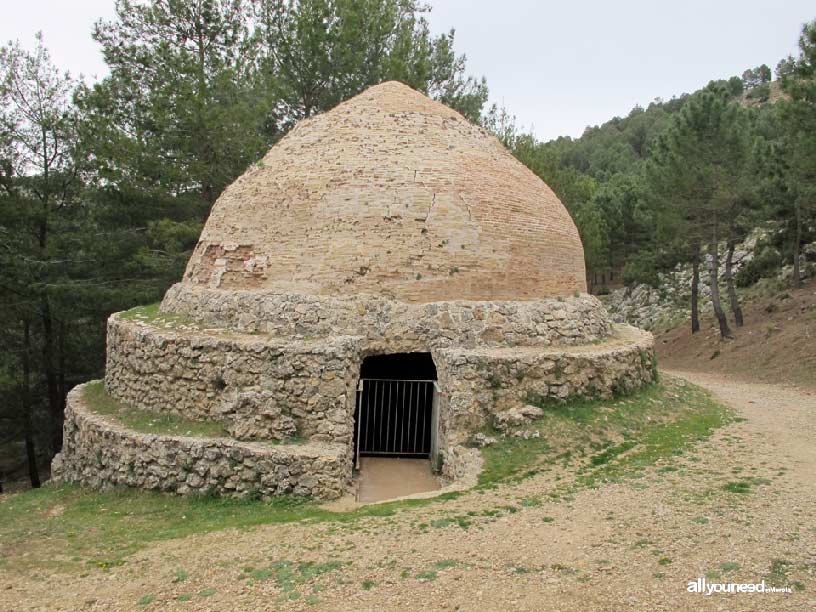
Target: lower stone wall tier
100,453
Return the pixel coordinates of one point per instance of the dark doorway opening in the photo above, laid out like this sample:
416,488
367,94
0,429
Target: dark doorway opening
402,366
395,406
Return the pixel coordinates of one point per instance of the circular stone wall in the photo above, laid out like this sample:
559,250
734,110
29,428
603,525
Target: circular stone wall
392,324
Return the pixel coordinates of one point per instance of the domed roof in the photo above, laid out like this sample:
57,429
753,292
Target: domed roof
392,194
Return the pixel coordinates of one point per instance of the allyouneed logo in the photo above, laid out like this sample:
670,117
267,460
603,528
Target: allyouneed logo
701,585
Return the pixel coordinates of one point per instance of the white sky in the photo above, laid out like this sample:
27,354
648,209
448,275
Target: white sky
557,66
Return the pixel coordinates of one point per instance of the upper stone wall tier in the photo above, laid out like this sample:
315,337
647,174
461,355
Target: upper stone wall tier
395,325
258,387
391,194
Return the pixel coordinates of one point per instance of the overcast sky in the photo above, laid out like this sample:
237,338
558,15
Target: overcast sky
557,66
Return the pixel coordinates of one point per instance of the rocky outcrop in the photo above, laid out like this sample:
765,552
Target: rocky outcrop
667,303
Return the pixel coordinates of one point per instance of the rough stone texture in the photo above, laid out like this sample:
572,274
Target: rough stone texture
396,325
481,384
305,385
391,194
262,387
516,416
98,452
460,463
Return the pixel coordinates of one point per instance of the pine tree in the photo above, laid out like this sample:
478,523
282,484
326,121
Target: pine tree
698,182
797,143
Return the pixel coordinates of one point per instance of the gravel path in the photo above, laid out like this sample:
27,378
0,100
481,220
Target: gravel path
626,546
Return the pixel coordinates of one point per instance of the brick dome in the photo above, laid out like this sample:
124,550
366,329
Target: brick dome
390,194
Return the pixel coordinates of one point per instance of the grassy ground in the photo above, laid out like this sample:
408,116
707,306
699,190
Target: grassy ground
71,528
152,315
146,421
608,440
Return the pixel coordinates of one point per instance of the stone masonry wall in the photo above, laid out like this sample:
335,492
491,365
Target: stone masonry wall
564,321
486,386
259,387
99,453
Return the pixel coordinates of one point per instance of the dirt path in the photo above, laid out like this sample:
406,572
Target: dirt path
738,508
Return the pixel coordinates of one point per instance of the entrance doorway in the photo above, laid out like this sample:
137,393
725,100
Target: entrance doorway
396,413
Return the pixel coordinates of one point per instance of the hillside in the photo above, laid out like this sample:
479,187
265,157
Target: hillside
777,343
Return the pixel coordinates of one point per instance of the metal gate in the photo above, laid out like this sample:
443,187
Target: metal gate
396,418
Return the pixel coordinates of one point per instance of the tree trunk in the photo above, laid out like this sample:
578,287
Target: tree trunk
695,292
62,386
51,378
31,454
797,278
729,284
713,250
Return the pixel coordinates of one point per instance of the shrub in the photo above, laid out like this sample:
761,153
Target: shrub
765,263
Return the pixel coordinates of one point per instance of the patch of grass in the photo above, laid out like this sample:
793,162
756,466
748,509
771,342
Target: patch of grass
368,585
612,452
180,576
127,520
729,566
778,574
511,459
745,485
258,575
428,575
185,597
664,561
288,575
152,315
445,564
146,421
655,423
146,600
740,486
698,416
207,592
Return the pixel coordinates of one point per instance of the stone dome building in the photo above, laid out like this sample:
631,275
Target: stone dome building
386,280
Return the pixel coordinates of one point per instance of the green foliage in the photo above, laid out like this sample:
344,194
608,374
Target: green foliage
317,53
146,599
791,150
754,78
760,93
766,263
